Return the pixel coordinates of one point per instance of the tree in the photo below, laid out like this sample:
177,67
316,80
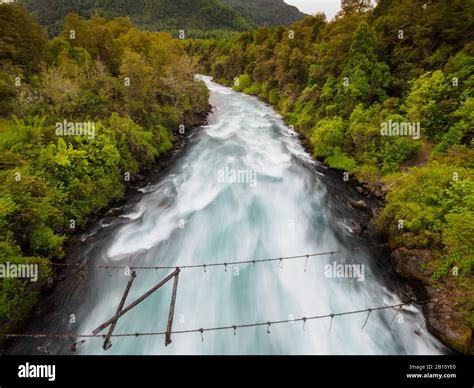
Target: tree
429,103
22,40
327,135
363,79
348,7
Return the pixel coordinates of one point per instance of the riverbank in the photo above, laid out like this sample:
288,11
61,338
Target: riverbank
133,190
446,317
84,123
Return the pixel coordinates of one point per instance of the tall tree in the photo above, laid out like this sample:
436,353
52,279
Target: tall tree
22,40
364,78
349,7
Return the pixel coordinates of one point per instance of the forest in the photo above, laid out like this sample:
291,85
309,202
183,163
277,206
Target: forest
384,95
134,88
196,17
342,84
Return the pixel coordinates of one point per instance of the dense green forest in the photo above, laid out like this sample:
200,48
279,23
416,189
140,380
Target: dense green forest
147,14
266,12
131,89
404,65
196,17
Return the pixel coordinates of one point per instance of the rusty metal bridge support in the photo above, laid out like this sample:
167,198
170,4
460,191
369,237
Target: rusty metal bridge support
121,310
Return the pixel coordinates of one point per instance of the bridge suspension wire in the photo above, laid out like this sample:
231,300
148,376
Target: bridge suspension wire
268,324
224,264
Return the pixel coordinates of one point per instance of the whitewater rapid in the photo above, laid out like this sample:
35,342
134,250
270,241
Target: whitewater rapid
281,207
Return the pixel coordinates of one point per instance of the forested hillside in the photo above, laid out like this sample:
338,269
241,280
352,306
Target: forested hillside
266,12
152,15
80,116
384,94
196,17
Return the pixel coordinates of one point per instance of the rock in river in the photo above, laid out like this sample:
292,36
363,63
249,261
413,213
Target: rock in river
360,205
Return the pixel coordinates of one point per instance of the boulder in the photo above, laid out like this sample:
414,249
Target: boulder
360,205
449,326
408,262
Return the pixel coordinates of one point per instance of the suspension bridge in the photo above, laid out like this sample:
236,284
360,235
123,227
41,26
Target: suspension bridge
79,338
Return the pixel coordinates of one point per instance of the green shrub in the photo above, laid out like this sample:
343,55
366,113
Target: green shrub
243,82
340,161
327,135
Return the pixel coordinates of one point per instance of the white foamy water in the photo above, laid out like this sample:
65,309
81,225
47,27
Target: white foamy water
285,213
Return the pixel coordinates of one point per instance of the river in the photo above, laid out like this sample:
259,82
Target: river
281,203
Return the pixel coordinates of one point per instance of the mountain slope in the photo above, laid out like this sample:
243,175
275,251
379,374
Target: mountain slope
147,14
261,12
